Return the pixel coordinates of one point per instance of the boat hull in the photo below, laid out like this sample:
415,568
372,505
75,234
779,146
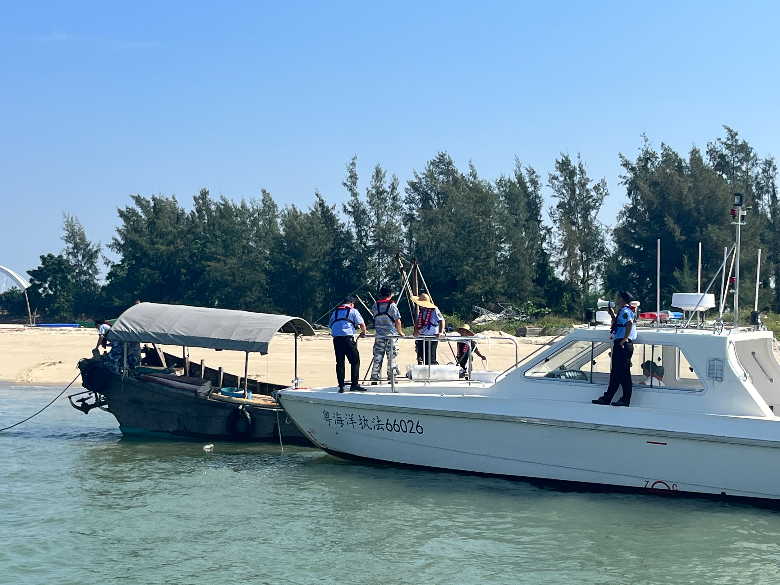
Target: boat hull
150,409
548,449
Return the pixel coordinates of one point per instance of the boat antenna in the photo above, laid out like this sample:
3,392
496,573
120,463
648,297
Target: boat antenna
738,213
701,296
723,283
728,281
658,287
755,317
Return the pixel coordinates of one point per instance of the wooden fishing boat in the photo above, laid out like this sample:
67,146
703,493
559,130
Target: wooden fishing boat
159,394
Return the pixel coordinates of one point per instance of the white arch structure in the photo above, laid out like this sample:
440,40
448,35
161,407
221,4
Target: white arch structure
22,283
19,281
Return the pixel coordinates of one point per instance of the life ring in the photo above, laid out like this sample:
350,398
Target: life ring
97,378
239,424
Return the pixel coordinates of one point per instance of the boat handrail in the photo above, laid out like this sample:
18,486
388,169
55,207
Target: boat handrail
460,338
745,375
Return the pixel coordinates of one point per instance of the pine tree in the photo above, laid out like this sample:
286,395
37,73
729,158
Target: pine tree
83,256
386,230
524,259
580,242
53,288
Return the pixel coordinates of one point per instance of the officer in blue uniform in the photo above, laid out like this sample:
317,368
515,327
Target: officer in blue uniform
623,335
344,323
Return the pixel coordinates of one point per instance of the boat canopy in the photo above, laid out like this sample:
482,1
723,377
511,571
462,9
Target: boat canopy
203,327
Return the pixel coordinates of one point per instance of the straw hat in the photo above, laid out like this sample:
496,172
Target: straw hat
465,331
424,301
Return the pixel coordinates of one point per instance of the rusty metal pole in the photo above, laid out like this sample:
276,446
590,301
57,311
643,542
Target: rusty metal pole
246,373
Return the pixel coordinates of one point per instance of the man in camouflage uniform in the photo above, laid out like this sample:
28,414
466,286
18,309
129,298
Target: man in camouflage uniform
387,321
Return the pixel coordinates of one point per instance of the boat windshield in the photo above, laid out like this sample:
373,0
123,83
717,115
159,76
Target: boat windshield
572,362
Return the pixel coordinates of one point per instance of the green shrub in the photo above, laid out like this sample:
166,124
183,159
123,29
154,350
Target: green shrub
772,322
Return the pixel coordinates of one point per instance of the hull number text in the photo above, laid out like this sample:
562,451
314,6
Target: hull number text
396,425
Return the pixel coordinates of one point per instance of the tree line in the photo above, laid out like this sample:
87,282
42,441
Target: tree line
479,242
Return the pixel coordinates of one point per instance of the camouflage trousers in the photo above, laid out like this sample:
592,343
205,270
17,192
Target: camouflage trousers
382,347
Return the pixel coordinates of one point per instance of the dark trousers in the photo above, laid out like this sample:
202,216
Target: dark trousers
621,372
345,347
426,350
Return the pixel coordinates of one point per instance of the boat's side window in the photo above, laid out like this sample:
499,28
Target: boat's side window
602,363
686,373
663,366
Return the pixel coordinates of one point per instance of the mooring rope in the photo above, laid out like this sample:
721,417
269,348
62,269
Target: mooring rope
44,408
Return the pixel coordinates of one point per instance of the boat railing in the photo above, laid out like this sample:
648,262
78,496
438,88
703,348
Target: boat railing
446,339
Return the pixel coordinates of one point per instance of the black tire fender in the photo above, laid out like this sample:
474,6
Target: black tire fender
97,378
240,424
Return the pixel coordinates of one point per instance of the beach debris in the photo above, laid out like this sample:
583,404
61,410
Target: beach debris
208,448
507,314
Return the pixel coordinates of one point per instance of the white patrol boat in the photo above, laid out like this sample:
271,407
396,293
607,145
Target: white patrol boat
709,429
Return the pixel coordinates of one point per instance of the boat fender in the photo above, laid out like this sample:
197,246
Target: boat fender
98,378
239,424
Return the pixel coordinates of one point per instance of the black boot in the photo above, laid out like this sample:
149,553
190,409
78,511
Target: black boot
600,400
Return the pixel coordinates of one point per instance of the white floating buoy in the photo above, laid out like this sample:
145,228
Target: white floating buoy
208,448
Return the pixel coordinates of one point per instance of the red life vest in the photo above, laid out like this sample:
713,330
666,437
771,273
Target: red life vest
424,318
386,311
464,347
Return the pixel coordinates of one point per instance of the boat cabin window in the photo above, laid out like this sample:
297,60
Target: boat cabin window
662,366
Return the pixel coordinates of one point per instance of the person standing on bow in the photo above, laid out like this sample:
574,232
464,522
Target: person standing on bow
467,347
344,323
623,335
429,323
387,321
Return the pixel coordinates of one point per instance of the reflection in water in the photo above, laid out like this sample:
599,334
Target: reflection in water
82,504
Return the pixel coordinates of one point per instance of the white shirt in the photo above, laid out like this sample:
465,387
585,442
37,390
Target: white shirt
650,381
433,325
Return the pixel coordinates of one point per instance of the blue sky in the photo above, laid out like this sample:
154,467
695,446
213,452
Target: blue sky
102,100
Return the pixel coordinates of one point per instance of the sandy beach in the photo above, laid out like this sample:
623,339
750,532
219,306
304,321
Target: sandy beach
48,357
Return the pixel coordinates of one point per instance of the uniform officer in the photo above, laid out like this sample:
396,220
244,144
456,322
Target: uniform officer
344,323
623,335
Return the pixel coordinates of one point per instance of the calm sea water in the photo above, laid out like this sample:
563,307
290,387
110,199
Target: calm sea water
80,504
